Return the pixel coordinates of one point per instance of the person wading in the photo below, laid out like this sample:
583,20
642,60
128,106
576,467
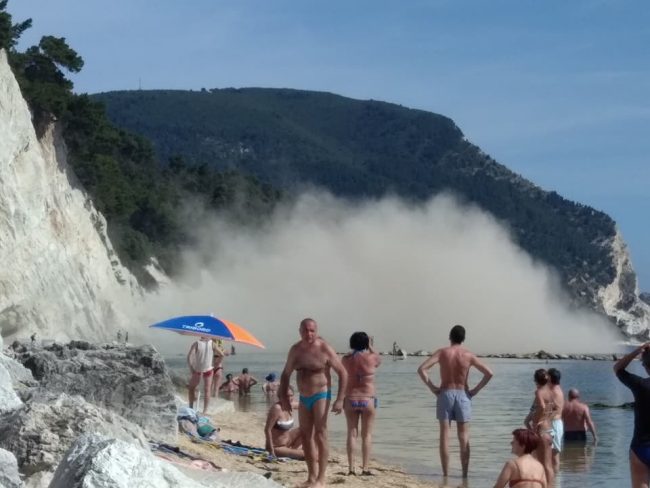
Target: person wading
454,395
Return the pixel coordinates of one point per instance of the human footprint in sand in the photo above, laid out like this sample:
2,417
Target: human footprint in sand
313,359
360,400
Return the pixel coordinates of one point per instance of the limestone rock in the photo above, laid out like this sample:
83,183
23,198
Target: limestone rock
9,477
132,381
97,462
8,398
20,376
42,430
61,277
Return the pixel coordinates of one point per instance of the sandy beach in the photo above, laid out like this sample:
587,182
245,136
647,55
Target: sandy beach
248,429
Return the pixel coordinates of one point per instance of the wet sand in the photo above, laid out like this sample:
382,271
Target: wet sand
248,429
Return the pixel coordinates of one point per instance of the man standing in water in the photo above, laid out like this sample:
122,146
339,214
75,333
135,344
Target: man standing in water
313,358
454,394
577,419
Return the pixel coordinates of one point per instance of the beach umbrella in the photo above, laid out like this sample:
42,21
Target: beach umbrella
208,326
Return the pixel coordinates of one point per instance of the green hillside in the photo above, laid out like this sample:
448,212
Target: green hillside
359,149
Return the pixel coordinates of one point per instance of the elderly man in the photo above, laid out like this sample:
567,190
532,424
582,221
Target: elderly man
313,359
577,419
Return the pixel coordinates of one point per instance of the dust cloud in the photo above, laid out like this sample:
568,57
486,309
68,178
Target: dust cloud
399,271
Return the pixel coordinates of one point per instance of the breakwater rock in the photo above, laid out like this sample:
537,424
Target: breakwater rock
132,381
551,356
531,355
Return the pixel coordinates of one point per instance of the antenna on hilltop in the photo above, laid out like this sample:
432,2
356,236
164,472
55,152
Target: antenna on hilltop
140,84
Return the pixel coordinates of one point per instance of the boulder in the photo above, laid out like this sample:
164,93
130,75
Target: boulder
9,477
21,377
8,398
95,461
130,380
42,430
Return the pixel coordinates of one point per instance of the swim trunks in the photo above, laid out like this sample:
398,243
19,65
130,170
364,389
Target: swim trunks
575,436
454,405
308,401
557,434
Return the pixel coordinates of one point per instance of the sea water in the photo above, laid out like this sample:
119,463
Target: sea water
406,431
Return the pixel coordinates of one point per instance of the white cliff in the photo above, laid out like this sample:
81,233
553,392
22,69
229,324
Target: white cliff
620,298
60,277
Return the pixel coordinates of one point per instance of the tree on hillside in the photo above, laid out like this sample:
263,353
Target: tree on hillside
10,32
40,73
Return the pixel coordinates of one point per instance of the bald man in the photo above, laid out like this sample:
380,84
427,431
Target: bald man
313,359
577,419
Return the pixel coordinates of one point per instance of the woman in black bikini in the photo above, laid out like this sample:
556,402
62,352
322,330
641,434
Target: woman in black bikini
282,437
640,446
524,471
360,400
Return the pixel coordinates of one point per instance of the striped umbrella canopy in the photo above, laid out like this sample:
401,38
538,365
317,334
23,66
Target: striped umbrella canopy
209,326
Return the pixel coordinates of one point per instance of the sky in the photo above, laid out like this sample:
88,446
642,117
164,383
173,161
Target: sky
557,91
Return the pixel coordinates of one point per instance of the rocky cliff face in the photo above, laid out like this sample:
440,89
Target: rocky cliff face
60,277
620,299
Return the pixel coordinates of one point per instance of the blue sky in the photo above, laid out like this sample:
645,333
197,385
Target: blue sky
558,91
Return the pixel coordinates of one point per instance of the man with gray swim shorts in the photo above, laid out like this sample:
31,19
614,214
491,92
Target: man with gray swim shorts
454,394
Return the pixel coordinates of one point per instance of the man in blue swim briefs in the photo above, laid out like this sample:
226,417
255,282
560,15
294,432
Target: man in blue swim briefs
640,445
454,394
313,359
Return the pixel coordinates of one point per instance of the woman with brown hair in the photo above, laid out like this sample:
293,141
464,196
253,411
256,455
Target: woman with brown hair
524,471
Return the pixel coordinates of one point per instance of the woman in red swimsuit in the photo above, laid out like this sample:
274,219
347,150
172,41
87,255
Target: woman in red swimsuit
524,471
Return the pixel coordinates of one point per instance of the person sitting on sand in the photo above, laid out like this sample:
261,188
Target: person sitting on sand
360,400
230,385
640,387
283,439
524,471
245,382
271,384
577,419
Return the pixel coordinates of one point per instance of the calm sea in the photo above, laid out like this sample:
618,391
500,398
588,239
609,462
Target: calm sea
406,431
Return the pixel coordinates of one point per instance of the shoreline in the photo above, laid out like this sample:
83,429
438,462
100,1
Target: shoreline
248,428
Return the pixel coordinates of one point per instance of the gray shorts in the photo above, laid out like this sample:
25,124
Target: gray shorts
454,405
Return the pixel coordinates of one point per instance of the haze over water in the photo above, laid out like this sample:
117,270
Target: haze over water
406,431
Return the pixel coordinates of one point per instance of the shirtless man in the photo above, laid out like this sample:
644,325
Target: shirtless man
245,382
539,419
454,394
313,359
577,419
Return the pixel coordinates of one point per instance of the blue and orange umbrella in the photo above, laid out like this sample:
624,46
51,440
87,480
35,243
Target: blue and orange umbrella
209,326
